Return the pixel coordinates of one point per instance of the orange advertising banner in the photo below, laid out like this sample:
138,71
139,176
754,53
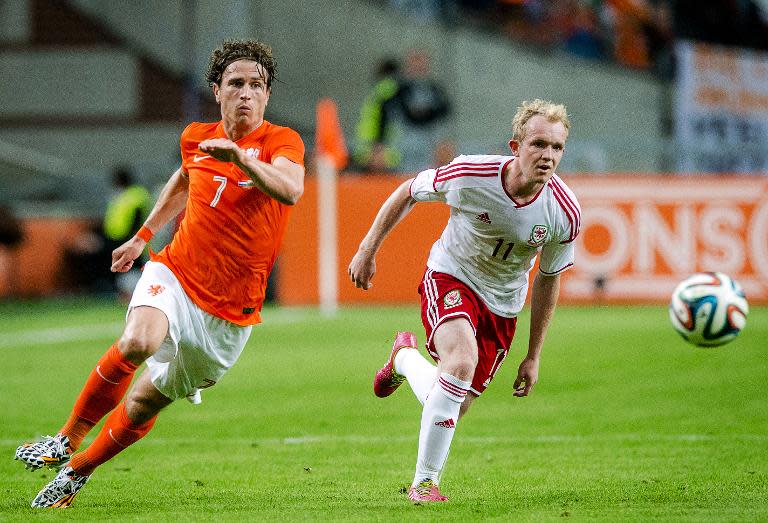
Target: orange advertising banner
640,236
400,262
643,234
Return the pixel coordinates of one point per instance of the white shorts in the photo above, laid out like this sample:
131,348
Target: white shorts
199,348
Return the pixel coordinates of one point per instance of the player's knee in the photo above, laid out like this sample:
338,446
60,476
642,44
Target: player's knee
136,347
462,366
466,369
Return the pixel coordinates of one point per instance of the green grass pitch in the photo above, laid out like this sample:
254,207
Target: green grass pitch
627,423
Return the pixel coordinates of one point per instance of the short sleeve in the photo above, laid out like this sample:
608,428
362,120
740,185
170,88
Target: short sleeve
423,187
185,149
556,257
288,144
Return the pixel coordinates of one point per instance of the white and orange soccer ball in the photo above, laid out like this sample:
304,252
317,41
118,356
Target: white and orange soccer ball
708,309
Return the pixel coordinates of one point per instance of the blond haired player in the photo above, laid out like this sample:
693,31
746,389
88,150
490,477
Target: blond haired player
193,309
505,211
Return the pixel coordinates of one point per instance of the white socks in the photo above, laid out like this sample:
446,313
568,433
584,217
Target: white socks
420,373
438,423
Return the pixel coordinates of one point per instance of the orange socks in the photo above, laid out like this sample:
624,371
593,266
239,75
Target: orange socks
119,432
103,390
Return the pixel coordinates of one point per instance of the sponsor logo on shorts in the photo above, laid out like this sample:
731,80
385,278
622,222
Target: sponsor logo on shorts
452,299
446,424
538,235
207,383
154,290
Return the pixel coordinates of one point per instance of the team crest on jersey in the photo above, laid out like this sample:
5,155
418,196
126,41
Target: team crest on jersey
538,235
154,290
452,299
252,152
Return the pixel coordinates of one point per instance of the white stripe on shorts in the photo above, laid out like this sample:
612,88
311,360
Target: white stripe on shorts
430,288
433,311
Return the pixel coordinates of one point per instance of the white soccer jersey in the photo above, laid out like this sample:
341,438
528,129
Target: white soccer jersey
490,242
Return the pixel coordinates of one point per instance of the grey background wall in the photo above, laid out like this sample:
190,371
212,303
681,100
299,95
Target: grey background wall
325,49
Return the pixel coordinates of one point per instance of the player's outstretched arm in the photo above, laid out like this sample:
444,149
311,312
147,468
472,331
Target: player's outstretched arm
282,179
172,200
363,265
544,295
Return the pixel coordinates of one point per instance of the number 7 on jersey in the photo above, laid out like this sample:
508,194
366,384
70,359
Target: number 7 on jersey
222,183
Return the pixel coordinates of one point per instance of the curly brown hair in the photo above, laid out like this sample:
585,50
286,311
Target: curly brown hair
233,50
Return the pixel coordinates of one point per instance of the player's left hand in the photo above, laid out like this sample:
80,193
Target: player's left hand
222,149
527,376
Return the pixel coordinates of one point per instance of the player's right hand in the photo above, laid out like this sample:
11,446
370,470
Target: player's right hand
362,269
123,256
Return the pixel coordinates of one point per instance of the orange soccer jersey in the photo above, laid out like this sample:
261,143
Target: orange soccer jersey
228,240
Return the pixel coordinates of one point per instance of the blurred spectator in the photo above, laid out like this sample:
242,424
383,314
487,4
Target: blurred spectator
127,209
634,33
727,22
11,236
373,149
631,47
424,104
90,256
583,33
422,10
444,153
398,127
11,231
426,10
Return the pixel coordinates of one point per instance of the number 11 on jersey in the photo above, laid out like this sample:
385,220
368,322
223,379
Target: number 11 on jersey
499,243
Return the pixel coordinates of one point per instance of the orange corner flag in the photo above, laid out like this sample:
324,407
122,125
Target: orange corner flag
329,139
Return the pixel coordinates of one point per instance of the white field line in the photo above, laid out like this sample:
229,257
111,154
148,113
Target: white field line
472,440
52,336
91,332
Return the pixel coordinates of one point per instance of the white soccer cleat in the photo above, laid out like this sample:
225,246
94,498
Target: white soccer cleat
61,491
52,452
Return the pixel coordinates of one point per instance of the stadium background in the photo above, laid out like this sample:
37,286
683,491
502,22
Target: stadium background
87,86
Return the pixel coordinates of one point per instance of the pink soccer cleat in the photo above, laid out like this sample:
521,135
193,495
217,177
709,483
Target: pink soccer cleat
425,491
387,380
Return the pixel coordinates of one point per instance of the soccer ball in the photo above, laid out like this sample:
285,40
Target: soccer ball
708,309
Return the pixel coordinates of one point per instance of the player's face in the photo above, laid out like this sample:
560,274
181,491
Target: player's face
540,151
243,94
